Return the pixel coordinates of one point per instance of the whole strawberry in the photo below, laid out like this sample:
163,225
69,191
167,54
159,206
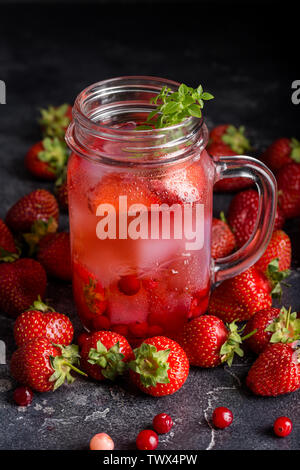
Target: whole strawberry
240,297
21,282
104,355
281,152
54,253
227,140
242,215
55,120
288,179
208,342
46,158
160,366
222,239
276,371
279,248
37,205
272,326
43,366
7,242
42,321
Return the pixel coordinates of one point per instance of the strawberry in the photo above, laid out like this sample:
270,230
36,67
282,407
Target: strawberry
160,366
54,253
208,342
281,152
61,190
288,179
231,136
223,240
46,158
89,293
272,326
104,355
240,297
227,140
42,320
43,366
7,242
276,371
55,120
114,185
37,205
279,248
242,215
21,282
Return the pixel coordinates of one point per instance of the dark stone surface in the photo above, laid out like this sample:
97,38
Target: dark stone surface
47,55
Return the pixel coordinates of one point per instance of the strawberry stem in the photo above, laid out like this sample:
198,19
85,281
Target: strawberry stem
249,335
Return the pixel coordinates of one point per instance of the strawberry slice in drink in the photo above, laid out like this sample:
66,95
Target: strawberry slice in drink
90,296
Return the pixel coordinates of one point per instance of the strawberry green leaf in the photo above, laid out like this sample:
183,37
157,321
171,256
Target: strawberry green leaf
64,364
285,328
236,139
231,345
276,277
7,256
295,153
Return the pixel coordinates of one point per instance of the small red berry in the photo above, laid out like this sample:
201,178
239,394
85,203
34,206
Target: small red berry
129,285
23,396
82,339
222,417
162,423
147,440
283,426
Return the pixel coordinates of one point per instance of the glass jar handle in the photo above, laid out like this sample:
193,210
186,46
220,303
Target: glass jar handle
248,254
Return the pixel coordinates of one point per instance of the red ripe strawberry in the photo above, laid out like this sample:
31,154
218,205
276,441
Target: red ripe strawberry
223,240
281,152
55,120
104,355
21,282
42,320
240,297
207,341
7,242
276,371
242,215
113,185
279,247
54,253
46,158
37,205
42,366
231,136
61,190
227,140
272,326
288,179
89,294
160,366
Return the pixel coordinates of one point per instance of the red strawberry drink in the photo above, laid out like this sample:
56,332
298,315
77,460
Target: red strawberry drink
140,204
